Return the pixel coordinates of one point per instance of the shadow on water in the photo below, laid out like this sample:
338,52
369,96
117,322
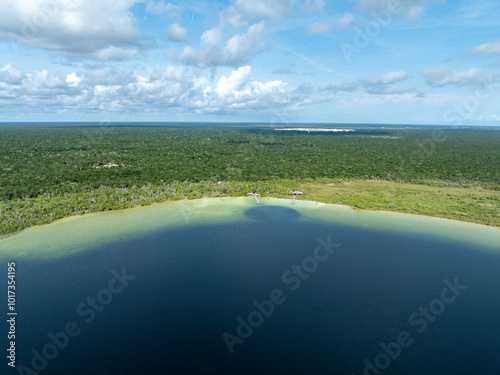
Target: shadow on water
192,284
272,213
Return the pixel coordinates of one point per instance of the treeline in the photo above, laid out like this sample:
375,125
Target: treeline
51,172
18,214
53,161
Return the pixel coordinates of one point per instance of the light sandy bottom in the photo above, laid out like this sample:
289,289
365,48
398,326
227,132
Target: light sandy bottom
75,234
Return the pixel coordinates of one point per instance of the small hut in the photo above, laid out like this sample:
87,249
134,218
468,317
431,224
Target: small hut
295,193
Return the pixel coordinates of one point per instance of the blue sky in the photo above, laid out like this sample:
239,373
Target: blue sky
280,61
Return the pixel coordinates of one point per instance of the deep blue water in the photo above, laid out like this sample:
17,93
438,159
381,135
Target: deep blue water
192,284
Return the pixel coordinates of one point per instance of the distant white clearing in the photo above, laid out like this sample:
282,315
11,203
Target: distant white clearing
315,130
109,165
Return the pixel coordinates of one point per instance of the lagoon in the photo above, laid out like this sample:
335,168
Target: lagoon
217,286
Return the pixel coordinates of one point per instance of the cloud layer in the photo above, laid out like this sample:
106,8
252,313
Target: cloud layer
177,87
74,26
216,50
244,58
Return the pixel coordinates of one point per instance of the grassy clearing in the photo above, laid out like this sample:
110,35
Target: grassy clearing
474,205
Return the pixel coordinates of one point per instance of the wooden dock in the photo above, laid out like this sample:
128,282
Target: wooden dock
255,196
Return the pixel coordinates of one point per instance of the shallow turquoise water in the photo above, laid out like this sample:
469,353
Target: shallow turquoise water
200,268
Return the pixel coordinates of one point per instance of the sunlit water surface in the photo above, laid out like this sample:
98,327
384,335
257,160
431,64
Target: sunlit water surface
199,266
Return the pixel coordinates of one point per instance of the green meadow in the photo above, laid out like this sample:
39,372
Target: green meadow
475,205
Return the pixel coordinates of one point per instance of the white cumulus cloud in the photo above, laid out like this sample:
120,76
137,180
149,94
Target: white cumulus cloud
215,51
78,27
160,7
491,48
347,21
176,33
443,76
45,80
230,85
10,74
73,80
386,79
176,73
177,88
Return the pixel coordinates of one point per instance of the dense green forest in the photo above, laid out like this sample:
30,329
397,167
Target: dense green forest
54,171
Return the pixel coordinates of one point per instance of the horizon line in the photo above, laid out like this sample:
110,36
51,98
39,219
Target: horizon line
242,123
